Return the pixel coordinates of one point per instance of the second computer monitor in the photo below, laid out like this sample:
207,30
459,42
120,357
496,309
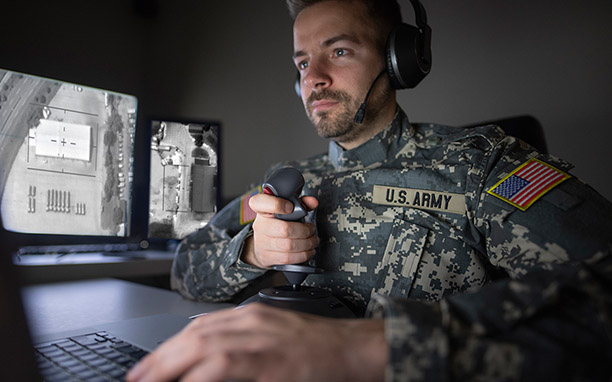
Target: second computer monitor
183,177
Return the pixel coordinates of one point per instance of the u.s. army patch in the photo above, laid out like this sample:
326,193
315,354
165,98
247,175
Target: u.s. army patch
527,183
421,199
247,215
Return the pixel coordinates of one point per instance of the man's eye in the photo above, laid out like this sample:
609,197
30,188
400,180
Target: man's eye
339,52
302,65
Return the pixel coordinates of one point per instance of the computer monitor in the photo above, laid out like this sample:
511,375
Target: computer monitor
75,169
184,170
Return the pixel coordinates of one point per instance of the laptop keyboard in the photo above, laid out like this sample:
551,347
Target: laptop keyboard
95,357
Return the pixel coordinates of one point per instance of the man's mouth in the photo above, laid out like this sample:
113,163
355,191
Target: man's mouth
322,105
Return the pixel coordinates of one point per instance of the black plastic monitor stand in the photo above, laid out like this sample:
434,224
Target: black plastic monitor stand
287,183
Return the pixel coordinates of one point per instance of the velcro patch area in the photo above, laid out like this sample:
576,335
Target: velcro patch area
527,183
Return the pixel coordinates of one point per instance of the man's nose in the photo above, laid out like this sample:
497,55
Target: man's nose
317,76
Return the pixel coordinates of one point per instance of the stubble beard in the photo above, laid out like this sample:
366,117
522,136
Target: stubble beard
336,124
339,125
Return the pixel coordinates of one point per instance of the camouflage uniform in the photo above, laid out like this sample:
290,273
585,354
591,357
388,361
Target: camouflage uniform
407,227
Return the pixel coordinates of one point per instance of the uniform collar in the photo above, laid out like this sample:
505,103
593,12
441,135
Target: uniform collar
382,146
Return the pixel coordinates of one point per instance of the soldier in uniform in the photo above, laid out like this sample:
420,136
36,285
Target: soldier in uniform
471,255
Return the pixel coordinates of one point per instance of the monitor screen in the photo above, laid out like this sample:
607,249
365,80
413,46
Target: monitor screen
183,190
67,157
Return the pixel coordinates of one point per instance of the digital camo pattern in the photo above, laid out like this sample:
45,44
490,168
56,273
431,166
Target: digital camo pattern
407,216
546,326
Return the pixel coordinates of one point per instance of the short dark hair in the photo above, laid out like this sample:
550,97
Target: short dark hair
387,10
385,13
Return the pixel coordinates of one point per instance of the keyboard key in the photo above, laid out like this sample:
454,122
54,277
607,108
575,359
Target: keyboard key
88,357
113,355
78,368
55,352
46,349
82,352
105,351
85,340
63,343
130,364
117,373
96,363
72,348
139,355
97,378
61,358
108,367
86,374
68,363
123,360
127,349
97,347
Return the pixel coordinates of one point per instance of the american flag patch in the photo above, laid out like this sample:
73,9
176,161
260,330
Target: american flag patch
247,215
526,184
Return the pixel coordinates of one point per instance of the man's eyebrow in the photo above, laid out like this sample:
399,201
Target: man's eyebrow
330,41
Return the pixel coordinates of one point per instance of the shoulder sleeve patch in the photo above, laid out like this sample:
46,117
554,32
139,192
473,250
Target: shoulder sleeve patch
247,215
527,183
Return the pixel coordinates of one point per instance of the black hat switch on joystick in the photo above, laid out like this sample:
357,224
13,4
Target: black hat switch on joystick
287,183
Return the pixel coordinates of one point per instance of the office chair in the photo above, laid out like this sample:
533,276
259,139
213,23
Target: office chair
524,127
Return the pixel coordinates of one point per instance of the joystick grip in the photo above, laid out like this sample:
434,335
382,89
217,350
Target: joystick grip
287,183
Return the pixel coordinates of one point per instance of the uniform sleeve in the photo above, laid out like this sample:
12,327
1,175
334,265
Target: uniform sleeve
547,326
550,319
567,224
207,265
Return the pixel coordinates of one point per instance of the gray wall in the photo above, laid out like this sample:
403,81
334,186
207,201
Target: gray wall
231,61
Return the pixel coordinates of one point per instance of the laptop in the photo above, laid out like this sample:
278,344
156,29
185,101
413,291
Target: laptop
97,353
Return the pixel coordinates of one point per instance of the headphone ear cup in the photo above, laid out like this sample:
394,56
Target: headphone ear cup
406,65
296,85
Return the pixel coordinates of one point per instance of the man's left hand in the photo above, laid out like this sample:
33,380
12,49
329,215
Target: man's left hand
261,343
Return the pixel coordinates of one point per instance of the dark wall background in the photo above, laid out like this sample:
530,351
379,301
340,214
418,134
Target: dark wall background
231,61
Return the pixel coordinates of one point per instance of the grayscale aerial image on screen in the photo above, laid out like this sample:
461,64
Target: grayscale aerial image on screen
66,157
183,178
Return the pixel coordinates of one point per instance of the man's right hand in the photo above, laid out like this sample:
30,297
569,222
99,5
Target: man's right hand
275,241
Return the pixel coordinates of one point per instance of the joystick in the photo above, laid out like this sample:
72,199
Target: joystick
287,183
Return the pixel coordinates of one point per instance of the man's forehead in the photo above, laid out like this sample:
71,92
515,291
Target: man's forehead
332,11
327,22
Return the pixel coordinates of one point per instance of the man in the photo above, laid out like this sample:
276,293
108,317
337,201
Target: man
407,218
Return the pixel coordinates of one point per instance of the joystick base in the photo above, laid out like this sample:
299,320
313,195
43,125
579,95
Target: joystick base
303,299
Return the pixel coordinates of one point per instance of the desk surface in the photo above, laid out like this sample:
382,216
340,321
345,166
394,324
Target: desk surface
67,306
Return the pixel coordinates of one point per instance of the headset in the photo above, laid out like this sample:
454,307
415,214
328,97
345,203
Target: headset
407,52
